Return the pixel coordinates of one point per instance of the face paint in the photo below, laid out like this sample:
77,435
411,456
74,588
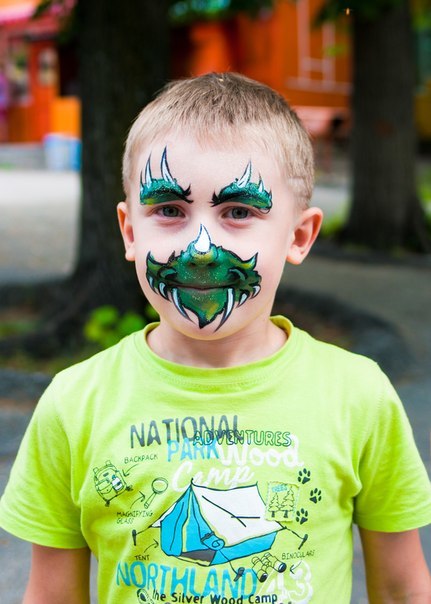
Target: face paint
160,190
205,279
243,191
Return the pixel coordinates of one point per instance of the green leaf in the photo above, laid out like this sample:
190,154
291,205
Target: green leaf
105,316
93,332
129,323
151,313
110,339
336,50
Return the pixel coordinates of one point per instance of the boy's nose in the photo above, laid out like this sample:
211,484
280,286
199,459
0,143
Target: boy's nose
202,251
198,259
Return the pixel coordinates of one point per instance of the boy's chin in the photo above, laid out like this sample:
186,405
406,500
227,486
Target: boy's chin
211,331
216,329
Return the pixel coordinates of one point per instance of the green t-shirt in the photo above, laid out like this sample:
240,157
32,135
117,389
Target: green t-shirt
218,486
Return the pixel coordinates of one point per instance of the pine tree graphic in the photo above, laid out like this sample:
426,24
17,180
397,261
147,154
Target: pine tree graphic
274,505
288,503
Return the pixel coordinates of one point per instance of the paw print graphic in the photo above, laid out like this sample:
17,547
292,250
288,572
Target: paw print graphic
315,495
301,516
304,476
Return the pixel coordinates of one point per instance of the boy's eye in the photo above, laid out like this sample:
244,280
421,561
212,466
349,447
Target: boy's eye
238,213
170,211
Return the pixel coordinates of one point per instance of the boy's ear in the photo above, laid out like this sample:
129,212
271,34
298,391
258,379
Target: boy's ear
126,228
306,229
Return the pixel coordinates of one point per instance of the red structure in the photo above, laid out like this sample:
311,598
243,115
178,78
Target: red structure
29,61
309,66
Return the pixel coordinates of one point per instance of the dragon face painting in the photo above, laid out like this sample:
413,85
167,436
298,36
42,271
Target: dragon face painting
206,280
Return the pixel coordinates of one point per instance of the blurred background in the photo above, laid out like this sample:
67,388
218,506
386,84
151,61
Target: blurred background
75,73
280,43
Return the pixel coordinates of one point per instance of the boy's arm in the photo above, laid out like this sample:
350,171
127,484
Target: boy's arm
395,567
58,575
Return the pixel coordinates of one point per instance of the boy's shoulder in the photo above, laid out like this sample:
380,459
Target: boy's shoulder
101,365
325,365
76,391
335,357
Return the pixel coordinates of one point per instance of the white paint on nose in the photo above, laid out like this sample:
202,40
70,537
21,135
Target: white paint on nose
203,243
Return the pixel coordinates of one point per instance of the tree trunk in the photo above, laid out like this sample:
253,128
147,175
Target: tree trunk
386,212
123,62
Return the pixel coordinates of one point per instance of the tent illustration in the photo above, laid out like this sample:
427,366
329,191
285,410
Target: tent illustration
209,526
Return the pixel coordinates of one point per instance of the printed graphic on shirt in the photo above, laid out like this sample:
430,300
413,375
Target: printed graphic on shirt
206,279
110,482
158,486
212,526
281,501
222,523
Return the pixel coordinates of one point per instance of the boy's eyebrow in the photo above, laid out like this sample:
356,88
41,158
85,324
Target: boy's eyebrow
241,190
161,190
247,196
161,193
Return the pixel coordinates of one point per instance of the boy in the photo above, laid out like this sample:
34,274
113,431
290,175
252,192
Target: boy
221,456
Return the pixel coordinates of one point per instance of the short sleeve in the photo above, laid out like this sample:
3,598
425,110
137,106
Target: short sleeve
37,504
396,491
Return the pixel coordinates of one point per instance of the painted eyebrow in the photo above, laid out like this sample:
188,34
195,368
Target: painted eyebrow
241,190
162,194
246,196
161,190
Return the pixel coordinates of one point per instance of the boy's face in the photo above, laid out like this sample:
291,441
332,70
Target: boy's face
210,230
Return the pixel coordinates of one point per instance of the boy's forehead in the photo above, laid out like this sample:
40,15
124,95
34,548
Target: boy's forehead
190,154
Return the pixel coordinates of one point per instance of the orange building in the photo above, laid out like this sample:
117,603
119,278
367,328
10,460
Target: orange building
29,62
309,66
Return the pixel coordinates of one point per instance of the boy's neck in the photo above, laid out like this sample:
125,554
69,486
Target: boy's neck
258,341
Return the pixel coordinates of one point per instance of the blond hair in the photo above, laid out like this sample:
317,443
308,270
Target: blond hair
226,109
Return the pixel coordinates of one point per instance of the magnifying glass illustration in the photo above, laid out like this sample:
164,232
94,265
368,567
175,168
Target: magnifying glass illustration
158,486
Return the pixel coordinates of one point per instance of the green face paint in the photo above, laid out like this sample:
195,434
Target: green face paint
243,191
160,190
205,279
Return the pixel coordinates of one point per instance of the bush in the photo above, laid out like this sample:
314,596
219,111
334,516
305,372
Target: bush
105,326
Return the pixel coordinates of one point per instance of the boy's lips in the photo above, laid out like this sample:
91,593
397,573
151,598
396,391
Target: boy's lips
166,287
206,302
198,286
201,288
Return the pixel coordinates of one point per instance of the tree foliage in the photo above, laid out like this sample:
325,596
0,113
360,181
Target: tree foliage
185,11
